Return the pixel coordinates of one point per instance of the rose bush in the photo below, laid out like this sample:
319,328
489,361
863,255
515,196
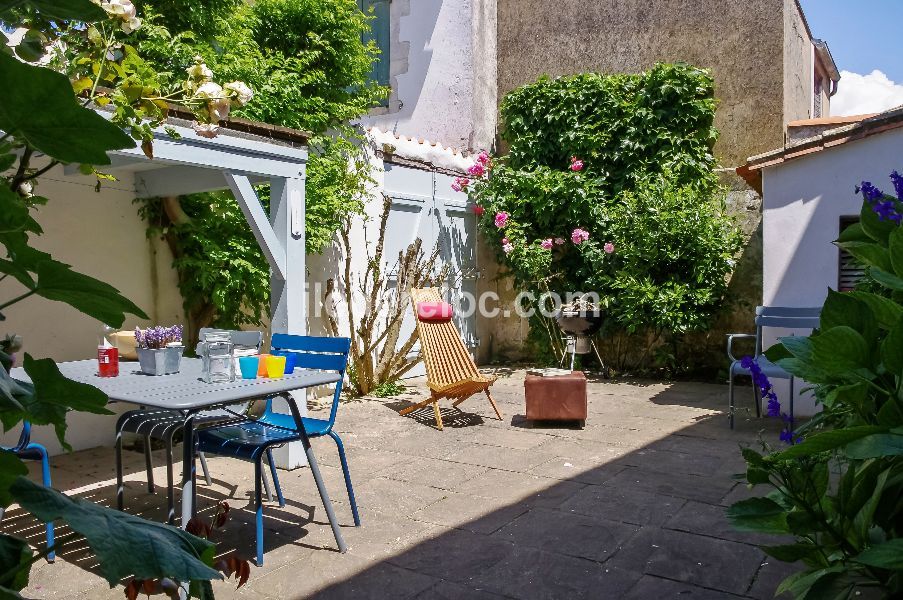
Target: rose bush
609,186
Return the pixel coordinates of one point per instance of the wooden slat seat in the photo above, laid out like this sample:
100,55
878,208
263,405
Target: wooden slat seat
450,371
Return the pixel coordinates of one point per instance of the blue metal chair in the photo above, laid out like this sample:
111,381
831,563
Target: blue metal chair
253,440
779,317
28,450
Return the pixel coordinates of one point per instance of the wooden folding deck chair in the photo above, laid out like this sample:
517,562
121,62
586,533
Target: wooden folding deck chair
450,371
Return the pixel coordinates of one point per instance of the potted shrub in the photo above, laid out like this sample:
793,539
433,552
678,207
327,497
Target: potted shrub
160,349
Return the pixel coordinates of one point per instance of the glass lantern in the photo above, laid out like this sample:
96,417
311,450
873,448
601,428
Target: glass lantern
217,352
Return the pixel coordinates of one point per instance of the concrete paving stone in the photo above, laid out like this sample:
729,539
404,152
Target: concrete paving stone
669,461
377,583
741,491
446,590
769,577
533,574
650,587
689,487
518,439
565,533
522,488
703,561
433,472
622,504
711,520
395,497
472,513
459,556
589,470
505,459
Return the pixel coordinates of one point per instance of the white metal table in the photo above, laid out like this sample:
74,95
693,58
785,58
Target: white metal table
189,394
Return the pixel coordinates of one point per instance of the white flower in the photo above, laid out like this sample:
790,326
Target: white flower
207,130
219,109
210,89
239,91
199,71
26,189
133,24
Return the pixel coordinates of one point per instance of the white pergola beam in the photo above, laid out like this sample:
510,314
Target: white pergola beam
270,244
180,180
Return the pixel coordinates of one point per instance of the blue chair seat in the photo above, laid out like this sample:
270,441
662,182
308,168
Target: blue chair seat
246,440
313,427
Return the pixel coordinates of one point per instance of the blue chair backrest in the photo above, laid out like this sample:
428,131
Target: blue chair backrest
785,317
322,353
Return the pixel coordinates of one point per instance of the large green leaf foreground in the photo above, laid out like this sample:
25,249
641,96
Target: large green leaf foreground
125,545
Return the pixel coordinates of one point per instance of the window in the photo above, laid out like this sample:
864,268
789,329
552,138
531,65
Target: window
851,270
379,32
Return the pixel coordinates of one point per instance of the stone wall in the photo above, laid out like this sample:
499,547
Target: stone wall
798,58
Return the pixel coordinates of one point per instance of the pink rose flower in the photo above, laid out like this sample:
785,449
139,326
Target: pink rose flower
456,186
505,241
559,241
576,164
546,244
508,248
477,169
608,247
478,210
460,184
501,219
578,236
483,158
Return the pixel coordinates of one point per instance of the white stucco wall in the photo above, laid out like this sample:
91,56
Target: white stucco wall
804,200
434,73
99,234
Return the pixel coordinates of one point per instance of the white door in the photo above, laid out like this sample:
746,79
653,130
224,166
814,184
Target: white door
425,206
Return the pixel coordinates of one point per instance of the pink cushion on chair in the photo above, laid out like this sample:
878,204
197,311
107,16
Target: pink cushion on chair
435,312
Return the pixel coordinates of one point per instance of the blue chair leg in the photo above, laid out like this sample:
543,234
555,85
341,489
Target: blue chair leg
45,476
730,394
275,479
258,500
341,447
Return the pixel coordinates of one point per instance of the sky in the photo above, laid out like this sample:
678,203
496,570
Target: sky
865,40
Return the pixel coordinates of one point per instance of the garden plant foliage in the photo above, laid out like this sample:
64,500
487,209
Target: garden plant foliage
838,491
609,186
308,66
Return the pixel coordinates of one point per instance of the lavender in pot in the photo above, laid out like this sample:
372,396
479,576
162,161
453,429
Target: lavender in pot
160,349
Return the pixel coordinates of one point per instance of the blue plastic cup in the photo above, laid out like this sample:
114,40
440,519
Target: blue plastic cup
289,362
248,366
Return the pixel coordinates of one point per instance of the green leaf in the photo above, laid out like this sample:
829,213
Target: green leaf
791,552
875,446
840,350
886,311
31,48
758,514
888,555
827,440
50,396
853,233
799,584
57,281
895,245
868,253
892,350
874,227
74,10
888,280
11,466
44,111
125,545
14,552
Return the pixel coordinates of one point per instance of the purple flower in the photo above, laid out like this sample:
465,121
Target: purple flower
869,191
898,184
766,390
883,205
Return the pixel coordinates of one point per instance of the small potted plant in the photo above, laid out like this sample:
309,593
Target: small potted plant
160,349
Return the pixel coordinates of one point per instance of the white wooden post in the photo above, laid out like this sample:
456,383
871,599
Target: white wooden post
288,295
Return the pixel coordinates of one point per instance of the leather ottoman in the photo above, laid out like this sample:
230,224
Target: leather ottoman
558,398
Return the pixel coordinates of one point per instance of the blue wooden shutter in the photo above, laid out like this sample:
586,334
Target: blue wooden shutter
379,32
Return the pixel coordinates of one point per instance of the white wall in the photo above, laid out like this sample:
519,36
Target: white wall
434,73
804,200
99,234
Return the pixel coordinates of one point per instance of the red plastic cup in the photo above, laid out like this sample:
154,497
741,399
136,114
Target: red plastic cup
107,361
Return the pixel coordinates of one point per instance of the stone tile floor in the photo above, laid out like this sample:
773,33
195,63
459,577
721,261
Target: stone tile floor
631,507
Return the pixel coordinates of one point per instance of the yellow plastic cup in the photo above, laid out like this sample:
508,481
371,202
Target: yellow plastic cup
275,366
262,365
